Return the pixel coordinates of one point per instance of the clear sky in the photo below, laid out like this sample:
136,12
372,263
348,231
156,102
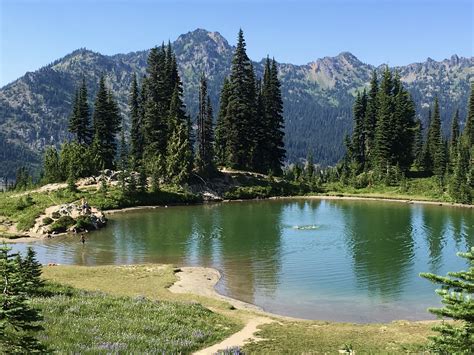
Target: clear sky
397,32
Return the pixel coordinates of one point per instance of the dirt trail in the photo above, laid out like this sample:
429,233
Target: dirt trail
238,339
201,281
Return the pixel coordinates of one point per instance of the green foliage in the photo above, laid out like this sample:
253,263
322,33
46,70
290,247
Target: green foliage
18,321
47,221
457,290
84,223
51,166
62,224
79,120
78,321
23,179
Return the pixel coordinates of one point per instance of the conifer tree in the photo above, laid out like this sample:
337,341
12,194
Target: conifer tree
456,292
123,151
453,142
241,109
79,121
273,105
179,152
418,145
468,132
435,144
17,319
222,125
106,126
51,166
358,134
136,131
31,273
371,120
205,135
459,188
384,128
261,150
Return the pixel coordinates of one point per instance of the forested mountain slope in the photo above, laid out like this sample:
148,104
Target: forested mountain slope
318,96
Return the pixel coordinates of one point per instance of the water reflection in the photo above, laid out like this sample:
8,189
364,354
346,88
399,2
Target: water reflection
358,261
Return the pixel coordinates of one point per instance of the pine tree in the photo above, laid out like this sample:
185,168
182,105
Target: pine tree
453,142
358,134
241,109
17,319
261,150
273,104
456,293
106,126
468,133
31,273
371,120
205,135
435,144
136,131
123,151
51,166
459,188
222,126
418,145
79,121
179,152
384,128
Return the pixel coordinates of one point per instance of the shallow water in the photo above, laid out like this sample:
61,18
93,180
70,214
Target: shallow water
316,259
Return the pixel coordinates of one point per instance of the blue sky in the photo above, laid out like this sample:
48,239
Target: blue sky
36,32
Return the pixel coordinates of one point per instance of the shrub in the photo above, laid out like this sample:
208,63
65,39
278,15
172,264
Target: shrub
47,221
24,202
83,223
62,224
55,215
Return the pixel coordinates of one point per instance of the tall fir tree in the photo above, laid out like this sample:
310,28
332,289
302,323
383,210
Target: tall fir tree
136,120
241,109
453,142
106,127
205,135
358,135
418,145
435,143
222,126
79,121
468,132
179,151
371,120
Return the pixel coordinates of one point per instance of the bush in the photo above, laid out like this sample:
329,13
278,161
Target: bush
24,202
84,223
55,215
47,221
62,224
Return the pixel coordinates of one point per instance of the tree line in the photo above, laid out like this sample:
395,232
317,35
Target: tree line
389,142
161,142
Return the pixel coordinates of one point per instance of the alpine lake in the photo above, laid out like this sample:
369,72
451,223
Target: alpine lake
337,260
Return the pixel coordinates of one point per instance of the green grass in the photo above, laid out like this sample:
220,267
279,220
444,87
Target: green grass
329,337
423,189
82,321
24,209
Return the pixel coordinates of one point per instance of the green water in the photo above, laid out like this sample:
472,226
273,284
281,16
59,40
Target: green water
316,259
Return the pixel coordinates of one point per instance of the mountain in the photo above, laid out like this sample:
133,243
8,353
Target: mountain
318,96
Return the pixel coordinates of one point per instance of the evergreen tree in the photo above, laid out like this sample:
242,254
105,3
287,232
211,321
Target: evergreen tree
241,109
435,144
371,120
79,121
273,105
459,188
179,152
136,131
31,273
205,135
51,166
453,142
468,132
17,319
418,145
456,292
222,125
384,131
358,134
106,126
123,152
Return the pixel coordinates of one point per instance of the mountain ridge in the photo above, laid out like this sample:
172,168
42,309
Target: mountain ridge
318,95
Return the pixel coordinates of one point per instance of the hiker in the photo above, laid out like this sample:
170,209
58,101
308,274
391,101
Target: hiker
83,239
85,206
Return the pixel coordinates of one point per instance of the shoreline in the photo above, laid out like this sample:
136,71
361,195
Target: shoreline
202,281
35,237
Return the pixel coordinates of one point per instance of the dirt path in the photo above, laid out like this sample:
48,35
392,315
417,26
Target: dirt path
238,339
201,281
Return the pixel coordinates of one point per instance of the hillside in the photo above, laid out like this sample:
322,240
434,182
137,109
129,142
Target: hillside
318,96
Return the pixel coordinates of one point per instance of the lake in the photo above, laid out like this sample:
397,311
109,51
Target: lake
341,260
